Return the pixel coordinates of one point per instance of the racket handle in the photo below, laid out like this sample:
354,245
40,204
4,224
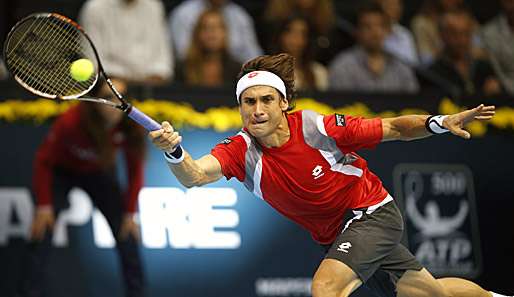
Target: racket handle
143,120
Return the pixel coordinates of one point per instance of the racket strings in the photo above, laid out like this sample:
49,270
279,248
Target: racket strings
21,67
50,56
33,75
62,56
42,51
36,61
32,36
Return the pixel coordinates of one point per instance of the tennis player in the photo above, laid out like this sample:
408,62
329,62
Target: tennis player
80,151
305,166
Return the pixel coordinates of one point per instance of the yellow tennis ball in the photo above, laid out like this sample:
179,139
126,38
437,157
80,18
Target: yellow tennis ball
82,69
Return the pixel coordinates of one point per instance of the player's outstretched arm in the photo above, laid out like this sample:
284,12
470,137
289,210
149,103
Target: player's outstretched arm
189,172
412,127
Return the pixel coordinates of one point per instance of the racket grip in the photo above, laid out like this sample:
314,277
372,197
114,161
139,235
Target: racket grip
143,120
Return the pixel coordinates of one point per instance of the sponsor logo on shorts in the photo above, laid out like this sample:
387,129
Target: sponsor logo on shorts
344,247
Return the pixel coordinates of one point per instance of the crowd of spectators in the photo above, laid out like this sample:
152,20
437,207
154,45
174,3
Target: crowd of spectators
204,42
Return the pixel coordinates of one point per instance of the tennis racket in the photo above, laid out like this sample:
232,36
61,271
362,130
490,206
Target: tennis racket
39,52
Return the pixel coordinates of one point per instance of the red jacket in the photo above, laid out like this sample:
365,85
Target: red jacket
68,146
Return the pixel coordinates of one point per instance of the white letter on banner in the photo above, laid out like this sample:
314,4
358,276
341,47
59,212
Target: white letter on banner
102,231
78,214
205,218
163,212
15,200
188,219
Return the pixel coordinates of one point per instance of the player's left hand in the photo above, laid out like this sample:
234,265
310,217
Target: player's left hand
456,122
129,228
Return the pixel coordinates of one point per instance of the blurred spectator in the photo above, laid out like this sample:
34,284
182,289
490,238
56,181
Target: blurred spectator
367,67
3,70
456,63
426,32
208,62
80,151
131,38
498,39
294,36
399,41
242,40
328,38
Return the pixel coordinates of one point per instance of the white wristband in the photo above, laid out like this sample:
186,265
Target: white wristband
176,156
434,124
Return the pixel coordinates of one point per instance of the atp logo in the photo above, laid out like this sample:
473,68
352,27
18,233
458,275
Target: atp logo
441,220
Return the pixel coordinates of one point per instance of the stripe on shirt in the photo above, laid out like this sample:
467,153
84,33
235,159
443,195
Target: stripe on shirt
253,166
316,136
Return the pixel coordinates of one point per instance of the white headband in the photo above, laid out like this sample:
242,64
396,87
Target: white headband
260,78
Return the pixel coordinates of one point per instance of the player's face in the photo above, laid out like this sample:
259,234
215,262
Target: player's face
262,109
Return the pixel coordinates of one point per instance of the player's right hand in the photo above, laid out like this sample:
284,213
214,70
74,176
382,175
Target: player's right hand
43,222
166,138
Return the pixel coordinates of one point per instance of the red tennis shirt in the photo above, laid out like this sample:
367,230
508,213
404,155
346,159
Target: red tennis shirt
299,181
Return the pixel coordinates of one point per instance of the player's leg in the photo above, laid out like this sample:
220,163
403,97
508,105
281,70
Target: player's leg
334,279
106,194
423,284
412,280
379,285
420,284
38,251
459,287
404,270
368,237
401,262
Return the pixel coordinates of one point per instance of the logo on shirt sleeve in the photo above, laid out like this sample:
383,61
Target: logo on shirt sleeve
340,120
226,141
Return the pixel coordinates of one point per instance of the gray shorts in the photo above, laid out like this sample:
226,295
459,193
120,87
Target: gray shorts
370,241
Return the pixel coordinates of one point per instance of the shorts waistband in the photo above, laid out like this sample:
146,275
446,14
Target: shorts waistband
372,208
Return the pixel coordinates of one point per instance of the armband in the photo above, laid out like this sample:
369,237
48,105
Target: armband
176,156
434,124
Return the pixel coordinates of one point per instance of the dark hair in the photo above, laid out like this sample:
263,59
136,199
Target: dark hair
368,7
308,52
462,12
322,14
92,123
282,65
434,8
